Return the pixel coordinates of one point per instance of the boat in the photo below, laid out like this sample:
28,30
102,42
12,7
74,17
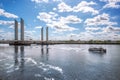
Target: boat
99,50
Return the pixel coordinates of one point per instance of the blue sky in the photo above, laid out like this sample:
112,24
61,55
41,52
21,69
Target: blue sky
66,19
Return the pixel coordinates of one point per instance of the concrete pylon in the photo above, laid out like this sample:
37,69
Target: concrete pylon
46,33
22,29
16,30
42,34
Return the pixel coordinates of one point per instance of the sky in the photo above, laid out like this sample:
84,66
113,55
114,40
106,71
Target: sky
66,19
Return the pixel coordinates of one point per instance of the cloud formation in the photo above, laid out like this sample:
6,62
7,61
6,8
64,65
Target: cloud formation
59,27
2,22
47,17
111,3
63,7
45,1
80,19
83,6
7,14
30,34
70,19
98,25
38,27
112,29
39,1
92,28
103,19
7,35
59,23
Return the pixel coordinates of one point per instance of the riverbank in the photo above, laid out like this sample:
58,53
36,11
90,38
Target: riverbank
26,42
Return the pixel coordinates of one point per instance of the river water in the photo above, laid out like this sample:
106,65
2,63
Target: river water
59,62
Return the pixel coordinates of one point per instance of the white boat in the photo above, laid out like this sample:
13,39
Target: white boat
100,50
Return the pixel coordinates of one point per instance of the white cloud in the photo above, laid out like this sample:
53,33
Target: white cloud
83,6
111,3
70,19
62,36
92,28
6,22
57,0
109,35
103,19
7,35
46,17
39,1
38,27
45,1
51,17
54,9
99,35
12,26
86,9
30,34
101,27
103,33
84,3
62,23
63,7
85,36
112,29
30,31
60,27
59,23
7,14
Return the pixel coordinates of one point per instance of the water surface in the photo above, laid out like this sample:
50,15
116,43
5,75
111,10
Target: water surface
59,62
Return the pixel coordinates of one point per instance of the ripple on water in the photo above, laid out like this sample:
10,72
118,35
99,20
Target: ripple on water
47,71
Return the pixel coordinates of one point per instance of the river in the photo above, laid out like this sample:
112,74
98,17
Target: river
59,62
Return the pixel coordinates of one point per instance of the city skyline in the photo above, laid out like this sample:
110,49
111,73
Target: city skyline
66,19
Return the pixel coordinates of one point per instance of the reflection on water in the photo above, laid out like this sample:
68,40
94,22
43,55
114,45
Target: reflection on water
98,53
19,62
47,52
32,67
22,58
59,62
45,55
16,56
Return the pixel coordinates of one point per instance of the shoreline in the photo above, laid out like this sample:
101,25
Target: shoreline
55,42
